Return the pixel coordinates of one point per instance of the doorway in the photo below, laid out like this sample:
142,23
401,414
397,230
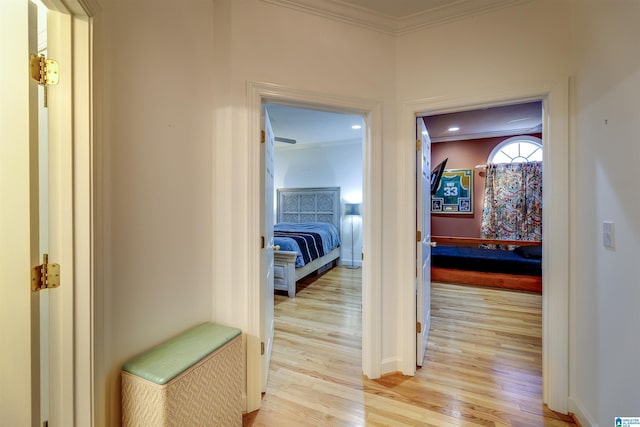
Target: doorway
317,176
554,98
259,94
468,141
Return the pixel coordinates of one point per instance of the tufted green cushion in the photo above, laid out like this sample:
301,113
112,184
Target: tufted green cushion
167,360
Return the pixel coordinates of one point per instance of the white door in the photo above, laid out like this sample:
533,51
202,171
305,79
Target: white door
423,250
31,222
19,239
267,256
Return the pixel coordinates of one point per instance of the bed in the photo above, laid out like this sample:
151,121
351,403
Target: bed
461,260
303,213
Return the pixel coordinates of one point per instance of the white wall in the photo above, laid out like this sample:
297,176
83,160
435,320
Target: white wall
605,289
526,43
156,185
327,165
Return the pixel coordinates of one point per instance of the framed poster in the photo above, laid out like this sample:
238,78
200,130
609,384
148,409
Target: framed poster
454,195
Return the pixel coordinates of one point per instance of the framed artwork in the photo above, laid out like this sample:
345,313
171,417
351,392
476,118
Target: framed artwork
454,195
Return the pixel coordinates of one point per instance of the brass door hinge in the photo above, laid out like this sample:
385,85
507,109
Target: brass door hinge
418,236
418,328
44,71
261,348
45,275
263,137
418,145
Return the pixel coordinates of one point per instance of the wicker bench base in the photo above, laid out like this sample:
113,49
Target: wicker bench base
207,394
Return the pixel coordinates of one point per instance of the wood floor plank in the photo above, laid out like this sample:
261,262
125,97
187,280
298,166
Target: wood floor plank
483,365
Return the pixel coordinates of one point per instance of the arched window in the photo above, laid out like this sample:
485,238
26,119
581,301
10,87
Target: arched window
518,149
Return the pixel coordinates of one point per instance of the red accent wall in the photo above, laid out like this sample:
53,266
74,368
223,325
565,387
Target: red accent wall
464,155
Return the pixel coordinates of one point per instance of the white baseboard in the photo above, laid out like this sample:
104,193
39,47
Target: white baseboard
390,365
347,262
581,414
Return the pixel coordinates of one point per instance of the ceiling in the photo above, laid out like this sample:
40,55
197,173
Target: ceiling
504,120
308,126
395,16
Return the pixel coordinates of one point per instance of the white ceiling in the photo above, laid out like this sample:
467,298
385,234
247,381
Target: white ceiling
308,126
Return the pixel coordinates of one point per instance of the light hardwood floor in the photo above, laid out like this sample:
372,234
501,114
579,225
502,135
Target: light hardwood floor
483,363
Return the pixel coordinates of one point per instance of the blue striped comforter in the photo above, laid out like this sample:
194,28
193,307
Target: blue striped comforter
310,240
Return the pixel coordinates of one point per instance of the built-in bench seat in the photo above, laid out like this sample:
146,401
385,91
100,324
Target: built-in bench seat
191,379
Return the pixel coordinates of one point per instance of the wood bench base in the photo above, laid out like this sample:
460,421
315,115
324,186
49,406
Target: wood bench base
497,280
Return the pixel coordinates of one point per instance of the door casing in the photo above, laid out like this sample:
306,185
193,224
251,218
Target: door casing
73,357
259,93
555,298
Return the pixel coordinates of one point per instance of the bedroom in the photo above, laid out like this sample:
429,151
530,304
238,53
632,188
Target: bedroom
509,209
313,191
317,150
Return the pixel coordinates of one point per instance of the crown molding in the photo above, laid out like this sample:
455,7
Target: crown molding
454,11
338,10
343,12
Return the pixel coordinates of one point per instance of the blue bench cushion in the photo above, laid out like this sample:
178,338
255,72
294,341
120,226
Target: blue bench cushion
167,360
485,260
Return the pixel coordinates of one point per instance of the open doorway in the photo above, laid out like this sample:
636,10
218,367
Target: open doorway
555,226
315,198
491,191
371,208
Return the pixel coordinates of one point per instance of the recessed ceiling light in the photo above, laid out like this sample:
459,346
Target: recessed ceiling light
454,129
356,127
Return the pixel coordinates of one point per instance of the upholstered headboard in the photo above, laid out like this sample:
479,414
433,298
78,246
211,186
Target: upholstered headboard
309,205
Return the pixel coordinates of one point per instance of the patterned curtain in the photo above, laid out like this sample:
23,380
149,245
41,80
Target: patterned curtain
513,202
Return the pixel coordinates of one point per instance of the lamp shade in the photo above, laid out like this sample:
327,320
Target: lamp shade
352,208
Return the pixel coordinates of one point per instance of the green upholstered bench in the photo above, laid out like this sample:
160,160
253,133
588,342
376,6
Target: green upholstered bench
191,379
